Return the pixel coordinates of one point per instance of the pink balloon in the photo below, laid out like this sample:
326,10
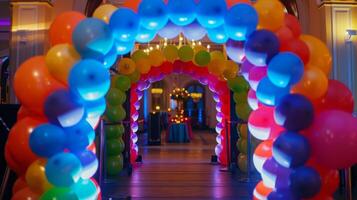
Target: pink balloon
253,100
255,75
261,123
333,138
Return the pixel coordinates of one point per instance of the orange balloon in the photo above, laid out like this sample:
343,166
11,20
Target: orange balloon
126,66
262,190
320,55
143,65
33,83
217,67
62,27
26,194
18,146
132,4
313,84
19,184
270,13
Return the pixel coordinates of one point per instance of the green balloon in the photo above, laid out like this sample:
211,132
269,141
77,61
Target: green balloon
203,58
238,84
114,131
242,162
115,113
243,111
115,97
122,83
241,97
242,145
114,165
186,53
134,77
137,55
59,194
115,147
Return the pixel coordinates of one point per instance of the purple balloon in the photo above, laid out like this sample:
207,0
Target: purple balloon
246,66
275,175
194,31
235,50
62,108
170,31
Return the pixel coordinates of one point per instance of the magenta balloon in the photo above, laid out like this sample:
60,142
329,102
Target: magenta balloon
253,100
333,139
255,75
244,70
235,50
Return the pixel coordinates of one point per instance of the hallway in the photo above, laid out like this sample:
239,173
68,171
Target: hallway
179,171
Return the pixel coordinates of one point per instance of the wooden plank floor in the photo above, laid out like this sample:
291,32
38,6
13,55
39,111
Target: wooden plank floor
179,171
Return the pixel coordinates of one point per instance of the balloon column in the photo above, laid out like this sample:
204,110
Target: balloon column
303,117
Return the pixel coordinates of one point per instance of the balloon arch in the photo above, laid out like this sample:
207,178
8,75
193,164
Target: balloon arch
303,118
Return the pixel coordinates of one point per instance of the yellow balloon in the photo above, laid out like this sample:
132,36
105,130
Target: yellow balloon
143,65
138,54
270,13
36,177
126,66
60,60
199,48
171,53
231,70
156,58
320,55
243,131
217,55
104,12
216,67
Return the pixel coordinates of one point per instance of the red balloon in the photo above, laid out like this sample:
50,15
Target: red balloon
26,193
338,97
293,24
167,68
285,35
231,3
333,139
19,184
297,47
18,146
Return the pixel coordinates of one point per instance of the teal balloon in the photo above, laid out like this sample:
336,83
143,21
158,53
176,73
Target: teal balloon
238,84
115,113
122,83
115,97
59,193
115,147
85,189
114,165
63,169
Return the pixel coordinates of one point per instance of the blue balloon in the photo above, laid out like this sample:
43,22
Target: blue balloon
194,31
181,12
80,136
240,21
210,14
89,163
89,79
47,140
218,35
268,93
261,46
291,149
124,24
153,14
124,47
92,37
305,182
282,195
145,35
295,112
109,59
235,50
63,169
95,108
85,189
285,69
63,109
170,31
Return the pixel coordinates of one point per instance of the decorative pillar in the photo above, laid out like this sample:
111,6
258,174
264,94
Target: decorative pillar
29,32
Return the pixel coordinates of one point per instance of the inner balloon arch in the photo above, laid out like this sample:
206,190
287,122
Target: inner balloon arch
51,147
